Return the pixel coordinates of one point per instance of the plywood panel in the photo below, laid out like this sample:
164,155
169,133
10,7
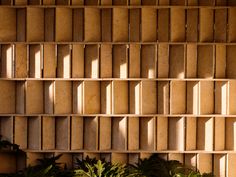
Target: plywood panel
49,61
221,101
91,61
90,133
191,133
120,61
148,61
177,25
34,133
106,61
219,136
163,97
177,61
63,97
77,132
134,97
78,97
148,97
49,24
106,25
206,97
149,24
232,25
163,25
230,61
21,24
91,97
206,25
163,61
177,97
77,61
205,129
105,129
204,162
7,24
20,135
119,97
7,59
192,25
35,24
119,133
220,25
62,137
20,97
134,22
6,128
162,133
176,133
219,165
220,61
7,97
63,24
92,26
231,162
63,61
134,61
191,61
120,25
147,133
133,133
35,59
230,133
49,97
231,97
20,61
48,133
34,97
106,97
192,97
78,24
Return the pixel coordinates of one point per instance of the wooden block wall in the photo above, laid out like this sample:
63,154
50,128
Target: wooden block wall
120,79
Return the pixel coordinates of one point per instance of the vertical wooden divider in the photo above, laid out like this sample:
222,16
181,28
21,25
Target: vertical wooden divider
20,131
177,24
90,133
77,57
7,60
163,25
206,25
62,137
219,134
230,133
134,22
105,133
20,61
162,133
20,97
77,97
192,97
63,61
192,25
49,24
106,61
21,23
119,133
231,25
120,31
134,97
134,61
191,133
34,133
91,61
133,133
48,132
49,61
77,132
221,95
78,24
49,97
35,61
7,97
106,25
204,162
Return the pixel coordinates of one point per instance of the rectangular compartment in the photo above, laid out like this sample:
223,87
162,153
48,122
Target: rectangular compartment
20,97
134,97
105,133
148,61
62,2
163,61
149,24
176,61
48,133
206,2
191,133
91,97
134,23
7,60
205,61
231,162
77,58
78,24
133,133
119,2
20,24
91,133
34,97
230,61
34,133
63,24
120,32
231,109
106,97
206,97
120,61
177,97
63,97
163,97
48,2
7,97
6,128
119,133
7,24
77,132
220,61
220,25
192,97
176,156
177,24
119,158
62,138
205,133
192,25
148,97
106,61
206,25
35,24
92,26
20,70
63,61
120,97
221,94
20,131
49,24
204,162
147,133
49,61
191,61
134,61
91,61
163,25
162,133
176,133
77,97
106,25
231,25
230,133
35,60
219,134
48,97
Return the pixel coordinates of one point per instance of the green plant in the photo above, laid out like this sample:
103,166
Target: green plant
99,168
